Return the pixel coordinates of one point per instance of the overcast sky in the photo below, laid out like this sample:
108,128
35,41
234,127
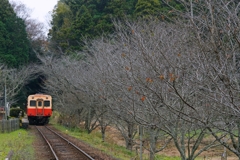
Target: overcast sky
40,8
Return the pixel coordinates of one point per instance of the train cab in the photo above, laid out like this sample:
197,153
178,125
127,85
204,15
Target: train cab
39,108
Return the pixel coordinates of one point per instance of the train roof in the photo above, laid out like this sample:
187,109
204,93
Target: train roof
39,95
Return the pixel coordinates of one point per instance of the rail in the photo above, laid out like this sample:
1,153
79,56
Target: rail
54,144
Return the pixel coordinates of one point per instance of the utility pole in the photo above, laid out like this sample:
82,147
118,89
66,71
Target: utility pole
5,99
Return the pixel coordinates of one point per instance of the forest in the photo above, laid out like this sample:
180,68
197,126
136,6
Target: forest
169,68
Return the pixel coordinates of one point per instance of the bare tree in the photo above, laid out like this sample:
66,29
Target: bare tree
14,79
35,30
158,55
215,28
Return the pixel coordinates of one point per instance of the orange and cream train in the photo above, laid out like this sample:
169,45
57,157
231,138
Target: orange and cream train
39,108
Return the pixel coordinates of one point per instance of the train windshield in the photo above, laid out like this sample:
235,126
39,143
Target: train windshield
39,103
47,103
32,103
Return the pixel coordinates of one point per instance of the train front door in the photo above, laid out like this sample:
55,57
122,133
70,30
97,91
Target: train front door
40,107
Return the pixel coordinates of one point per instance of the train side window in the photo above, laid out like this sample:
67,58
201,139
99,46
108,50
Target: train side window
33,103
39,103
47,103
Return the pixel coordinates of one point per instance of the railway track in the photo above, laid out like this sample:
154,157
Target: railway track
62,148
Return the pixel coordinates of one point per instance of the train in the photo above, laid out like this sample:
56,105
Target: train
39,108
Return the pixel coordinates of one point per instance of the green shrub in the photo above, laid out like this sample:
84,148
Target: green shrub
14,112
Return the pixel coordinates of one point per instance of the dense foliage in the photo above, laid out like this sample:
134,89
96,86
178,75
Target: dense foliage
75,20
145,8
14,44
14,112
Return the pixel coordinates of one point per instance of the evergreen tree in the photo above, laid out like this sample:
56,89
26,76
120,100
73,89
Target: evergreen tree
121,8
61,29
171,9
145,8
83,24
13,37
74,20
6,10
4,38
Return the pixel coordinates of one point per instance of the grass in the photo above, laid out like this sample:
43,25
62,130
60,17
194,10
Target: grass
94,139
166,158
20,142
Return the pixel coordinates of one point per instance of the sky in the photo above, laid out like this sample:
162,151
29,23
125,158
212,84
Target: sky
40,8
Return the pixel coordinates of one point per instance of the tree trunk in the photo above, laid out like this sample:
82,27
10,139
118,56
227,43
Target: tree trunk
88,119
103,133
129,140
153,141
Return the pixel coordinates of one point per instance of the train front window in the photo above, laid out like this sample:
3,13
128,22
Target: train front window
33,103
47,103
39,103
